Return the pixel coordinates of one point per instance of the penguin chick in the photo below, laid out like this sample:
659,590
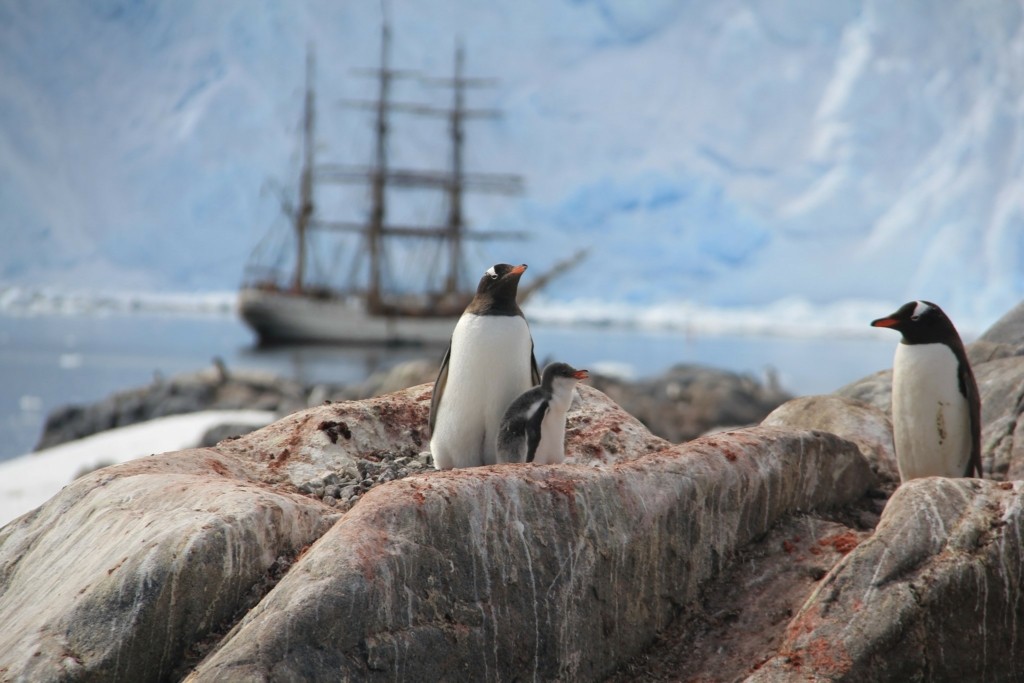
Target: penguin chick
936,408
488,363
533,428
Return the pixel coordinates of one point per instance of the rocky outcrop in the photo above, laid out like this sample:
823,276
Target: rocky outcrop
122,574
689,400
518,572
324,546
215,388
513,568
861,423
933,595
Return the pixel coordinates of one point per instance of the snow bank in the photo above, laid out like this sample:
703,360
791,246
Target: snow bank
30,480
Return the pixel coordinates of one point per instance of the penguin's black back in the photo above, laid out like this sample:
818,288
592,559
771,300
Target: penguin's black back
519,425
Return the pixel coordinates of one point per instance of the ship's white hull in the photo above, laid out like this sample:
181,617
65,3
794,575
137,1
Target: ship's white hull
281,318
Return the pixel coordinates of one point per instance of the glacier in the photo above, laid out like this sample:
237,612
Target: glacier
745,156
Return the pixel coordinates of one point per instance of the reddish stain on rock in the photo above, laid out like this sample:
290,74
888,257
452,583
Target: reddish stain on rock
788,547
843,543
827,657
217,467
281,459
563,486
804,623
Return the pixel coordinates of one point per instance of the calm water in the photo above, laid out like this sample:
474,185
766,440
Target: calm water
49,361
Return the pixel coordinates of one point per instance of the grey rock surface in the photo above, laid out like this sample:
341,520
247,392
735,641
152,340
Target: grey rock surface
548,569
689,400
933,595
861,423
122,573
520,571
212,389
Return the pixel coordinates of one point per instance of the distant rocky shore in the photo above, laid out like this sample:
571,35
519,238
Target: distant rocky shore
682,403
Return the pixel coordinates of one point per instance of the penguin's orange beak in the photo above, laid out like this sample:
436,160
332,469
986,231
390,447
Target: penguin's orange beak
885,322
518,270
581,374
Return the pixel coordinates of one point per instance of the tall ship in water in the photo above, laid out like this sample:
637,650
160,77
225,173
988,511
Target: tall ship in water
290,303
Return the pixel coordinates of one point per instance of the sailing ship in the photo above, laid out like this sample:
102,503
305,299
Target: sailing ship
288,306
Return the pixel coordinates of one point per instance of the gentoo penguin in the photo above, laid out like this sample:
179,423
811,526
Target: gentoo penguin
533,429
936,408
488,363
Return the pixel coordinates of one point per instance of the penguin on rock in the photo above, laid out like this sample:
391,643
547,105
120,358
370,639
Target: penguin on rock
533,429
936,408
489,362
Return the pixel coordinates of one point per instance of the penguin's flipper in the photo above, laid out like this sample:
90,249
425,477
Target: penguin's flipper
969,387
534,372
534,422
439,384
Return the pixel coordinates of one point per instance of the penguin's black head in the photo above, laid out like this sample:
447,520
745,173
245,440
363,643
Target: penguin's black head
496,293
556,371
920,322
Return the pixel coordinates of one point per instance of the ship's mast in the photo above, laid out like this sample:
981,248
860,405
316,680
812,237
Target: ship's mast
455,226
455,223
304,211
454,182
378,176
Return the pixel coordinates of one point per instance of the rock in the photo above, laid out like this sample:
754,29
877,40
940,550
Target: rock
984,351
209,389
1001,386
861,423
122,573
875,390
742,615
520,571
324,546
934,595
231,430
401,376
1007,330
562,570
355,437
690,400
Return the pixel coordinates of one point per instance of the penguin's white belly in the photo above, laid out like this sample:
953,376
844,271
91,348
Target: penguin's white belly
488,367
931,418
551,449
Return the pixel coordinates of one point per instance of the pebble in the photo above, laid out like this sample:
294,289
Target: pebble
341,489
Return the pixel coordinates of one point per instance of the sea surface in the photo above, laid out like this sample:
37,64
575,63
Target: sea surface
50,360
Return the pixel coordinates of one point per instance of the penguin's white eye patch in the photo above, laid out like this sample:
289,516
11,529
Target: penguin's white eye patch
492,273
920,309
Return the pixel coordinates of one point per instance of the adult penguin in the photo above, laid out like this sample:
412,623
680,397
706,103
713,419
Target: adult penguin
936,408
489,362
